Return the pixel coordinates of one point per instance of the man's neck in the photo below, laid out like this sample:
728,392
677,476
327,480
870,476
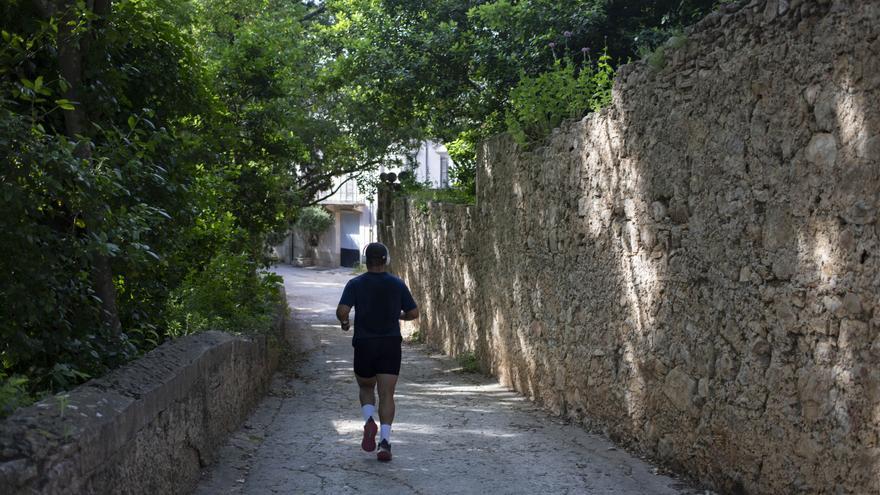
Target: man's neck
376,269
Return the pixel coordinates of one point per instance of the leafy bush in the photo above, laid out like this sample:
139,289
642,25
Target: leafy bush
228,295
656,54
538,104
88,216
422,193
314,220
463,152
13,393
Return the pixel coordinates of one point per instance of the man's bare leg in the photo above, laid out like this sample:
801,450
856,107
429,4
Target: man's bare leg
386,384
367,387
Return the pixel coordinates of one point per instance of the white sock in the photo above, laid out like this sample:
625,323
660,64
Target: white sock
368,410
385,433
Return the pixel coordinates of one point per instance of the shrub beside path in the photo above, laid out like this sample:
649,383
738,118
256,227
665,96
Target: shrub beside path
454,433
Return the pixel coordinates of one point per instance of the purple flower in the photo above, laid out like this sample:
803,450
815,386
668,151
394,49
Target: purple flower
567,34
585,49
551,44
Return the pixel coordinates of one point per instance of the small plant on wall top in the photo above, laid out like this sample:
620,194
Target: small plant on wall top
569,90
313,221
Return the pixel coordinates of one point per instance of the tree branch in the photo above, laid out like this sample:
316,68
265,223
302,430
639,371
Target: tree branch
314,179
358,176
315,13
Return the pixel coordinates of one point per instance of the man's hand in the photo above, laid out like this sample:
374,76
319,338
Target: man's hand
409,315
342,312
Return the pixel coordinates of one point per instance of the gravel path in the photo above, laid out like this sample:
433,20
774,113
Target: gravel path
454,433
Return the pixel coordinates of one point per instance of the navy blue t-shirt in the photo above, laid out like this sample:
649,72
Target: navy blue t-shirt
378,299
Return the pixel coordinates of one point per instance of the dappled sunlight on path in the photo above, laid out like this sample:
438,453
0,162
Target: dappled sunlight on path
455,432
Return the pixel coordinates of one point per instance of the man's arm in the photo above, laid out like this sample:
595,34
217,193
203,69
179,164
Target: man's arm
409,315
409,308
342,312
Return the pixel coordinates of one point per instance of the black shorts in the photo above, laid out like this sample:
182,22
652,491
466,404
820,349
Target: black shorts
377,355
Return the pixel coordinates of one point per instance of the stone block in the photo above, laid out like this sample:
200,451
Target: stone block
814,387
778,230
853,334
825,110
785,266
860,212
658,211
679,388
822,150
631,236
852,305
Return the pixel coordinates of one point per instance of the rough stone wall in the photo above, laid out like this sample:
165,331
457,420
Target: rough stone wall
696,269
146,428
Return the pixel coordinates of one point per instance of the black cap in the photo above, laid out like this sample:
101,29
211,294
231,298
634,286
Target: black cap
377,251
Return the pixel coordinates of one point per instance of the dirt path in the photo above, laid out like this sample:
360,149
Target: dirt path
454,432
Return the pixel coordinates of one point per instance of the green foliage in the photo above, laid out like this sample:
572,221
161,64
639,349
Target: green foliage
13,393
291,123
656,58
426,195
204,126
422,194
445,68
463,151
106,193
176,164
538,104
228,295
314,221
656,55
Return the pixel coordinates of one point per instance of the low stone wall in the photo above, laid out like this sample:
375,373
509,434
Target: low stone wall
696,269
148,427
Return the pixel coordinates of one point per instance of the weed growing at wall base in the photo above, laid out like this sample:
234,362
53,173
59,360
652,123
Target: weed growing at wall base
469,363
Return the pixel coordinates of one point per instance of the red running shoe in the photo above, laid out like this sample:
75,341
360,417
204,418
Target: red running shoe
384,454
369,441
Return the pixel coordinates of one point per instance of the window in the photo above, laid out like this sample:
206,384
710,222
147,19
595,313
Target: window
349,191
444,171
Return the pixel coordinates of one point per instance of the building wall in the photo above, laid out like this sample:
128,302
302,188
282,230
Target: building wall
430,157
696,269
327,251
348,197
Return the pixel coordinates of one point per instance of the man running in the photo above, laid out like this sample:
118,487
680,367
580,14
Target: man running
380,300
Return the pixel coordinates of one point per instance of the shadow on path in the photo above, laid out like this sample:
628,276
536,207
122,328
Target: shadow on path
454,432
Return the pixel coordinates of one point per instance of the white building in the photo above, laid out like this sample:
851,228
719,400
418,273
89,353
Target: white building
354,213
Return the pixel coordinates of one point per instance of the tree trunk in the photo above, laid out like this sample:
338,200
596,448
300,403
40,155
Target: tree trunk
70,60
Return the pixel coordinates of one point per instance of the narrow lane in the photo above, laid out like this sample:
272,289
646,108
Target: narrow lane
455,432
